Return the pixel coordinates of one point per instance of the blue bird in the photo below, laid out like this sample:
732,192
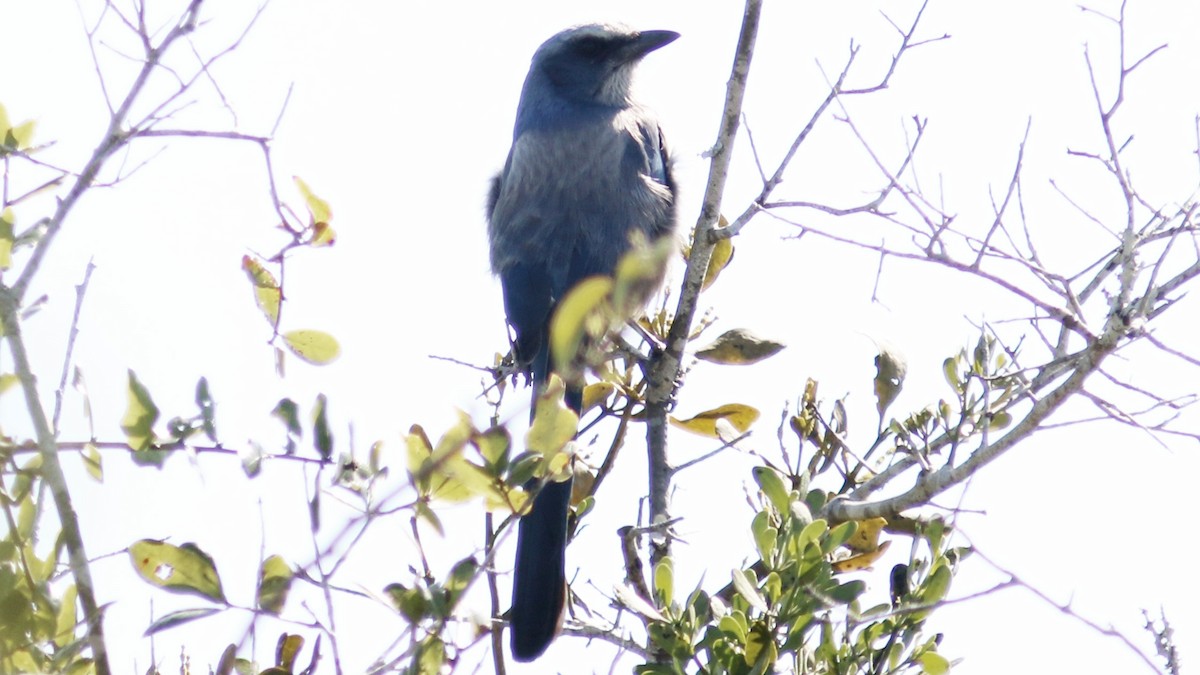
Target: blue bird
588,168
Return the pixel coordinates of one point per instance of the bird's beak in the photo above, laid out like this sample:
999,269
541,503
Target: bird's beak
649,40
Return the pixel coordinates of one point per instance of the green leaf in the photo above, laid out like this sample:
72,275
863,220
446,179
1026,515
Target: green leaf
430,656
494,446
286,650
26,518
93,462
771,483
748,589
839,535
316,347
664,581
934,663
179,569
812,532
64,627
460,578
412,603
849,591
179,618
937,585
322,436
274,582
289,413
140,416
950,370
765,536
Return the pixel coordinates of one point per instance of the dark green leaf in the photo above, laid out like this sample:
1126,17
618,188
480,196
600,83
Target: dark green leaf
179,618
322,436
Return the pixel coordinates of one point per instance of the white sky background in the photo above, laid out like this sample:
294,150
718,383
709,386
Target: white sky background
400,114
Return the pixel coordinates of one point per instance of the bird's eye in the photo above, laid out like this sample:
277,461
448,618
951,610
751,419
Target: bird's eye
590,47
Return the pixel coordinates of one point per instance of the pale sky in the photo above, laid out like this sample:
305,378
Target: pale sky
400,113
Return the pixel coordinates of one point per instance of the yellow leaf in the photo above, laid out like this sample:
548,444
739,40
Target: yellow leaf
866,536
8,381
318,209
554,424
445,483
179,569
739,347
93,463
316,347
322,234
594,394
584,311
860,561
140,415
737,415
22,135
266,289
722,254
474,481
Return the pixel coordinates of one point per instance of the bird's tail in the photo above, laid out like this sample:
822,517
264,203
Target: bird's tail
539,586
539,579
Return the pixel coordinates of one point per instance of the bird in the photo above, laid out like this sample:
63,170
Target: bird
588,168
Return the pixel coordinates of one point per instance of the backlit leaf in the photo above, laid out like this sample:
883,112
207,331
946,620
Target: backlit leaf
722,255
740,416
179,618
274,582
584,311
318,209
286,650
322,436
554,424
596,393
861,560
934,663
179,569
316,347
639,273
267,294
140,415
866,536
890,369
739,347
323,234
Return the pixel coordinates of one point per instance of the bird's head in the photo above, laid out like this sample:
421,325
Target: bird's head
594,63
